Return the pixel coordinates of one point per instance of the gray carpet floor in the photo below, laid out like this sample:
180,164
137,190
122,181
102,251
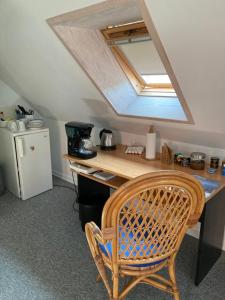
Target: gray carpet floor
44,255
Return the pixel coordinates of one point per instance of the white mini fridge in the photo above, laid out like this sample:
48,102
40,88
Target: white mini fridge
26,161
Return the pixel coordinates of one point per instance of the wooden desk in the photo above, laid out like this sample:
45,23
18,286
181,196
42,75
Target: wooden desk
128,166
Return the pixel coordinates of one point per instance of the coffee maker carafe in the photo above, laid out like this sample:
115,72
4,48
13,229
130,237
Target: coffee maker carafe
79,142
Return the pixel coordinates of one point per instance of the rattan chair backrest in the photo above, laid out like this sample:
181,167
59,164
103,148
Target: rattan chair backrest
151,214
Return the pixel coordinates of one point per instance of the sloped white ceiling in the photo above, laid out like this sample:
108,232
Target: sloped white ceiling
38,67
8,97
9,100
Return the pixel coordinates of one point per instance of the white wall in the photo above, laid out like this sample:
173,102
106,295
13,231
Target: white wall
35,64
38,67
9,100
191,33
59,145
58,141
7,96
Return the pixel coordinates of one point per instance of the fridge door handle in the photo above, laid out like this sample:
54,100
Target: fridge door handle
20,147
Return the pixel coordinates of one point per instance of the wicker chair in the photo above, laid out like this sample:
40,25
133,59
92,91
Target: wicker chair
143,225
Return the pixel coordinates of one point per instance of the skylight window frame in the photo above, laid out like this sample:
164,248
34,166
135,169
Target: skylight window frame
116,33
112,35
86,25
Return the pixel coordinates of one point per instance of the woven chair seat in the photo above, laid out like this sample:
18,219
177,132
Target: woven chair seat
129,239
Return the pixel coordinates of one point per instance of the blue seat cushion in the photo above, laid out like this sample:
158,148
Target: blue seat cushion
107,248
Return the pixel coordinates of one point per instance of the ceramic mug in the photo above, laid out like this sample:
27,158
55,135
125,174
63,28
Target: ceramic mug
13,126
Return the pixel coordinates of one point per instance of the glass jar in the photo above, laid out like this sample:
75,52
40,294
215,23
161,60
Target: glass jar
197,160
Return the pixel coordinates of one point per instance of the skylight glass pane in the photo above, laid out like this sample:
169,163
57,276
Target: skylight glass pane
156,78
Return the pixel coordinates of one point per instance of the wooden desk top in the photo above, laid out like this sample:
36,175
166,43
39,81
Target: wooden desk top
130,166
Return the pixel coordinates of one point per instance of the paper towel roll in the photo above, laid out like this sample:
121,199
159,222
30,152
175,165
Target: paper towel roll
151,146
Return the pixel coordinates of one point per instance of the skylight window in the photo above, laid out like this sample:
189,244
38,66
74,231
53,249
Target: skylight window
157,85
156,79
135,51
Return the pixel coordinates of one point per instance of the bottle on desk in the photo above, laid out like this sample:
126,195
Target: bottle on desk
151,143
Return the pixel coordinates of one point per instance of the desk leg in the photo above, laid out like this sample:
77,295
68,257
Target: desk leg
211,235
92,196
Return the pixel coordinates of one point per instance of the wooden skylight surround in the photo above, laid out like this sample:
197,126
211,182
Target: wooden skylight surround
81,33
128,33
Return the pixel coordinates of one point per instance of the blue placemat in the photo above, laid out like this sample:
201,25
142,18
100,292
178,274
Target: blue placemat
209,185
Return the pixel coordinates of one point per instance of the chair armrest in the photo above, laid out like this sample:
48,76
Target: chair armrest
99,237
96,232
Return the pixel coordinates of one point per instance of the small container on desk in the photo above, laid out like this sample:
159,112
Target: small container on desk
198,160
214,162
223,168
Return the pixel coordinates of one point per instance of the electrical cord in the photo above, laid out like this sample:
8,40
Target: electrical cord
75,187
72,189
76,192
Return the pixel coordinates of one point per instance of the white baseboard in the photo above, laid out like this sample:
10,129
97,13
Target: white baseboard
64,176
195,231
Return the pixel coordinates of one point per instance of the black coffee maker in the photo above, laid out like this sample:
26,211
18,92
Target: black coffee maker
79,143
